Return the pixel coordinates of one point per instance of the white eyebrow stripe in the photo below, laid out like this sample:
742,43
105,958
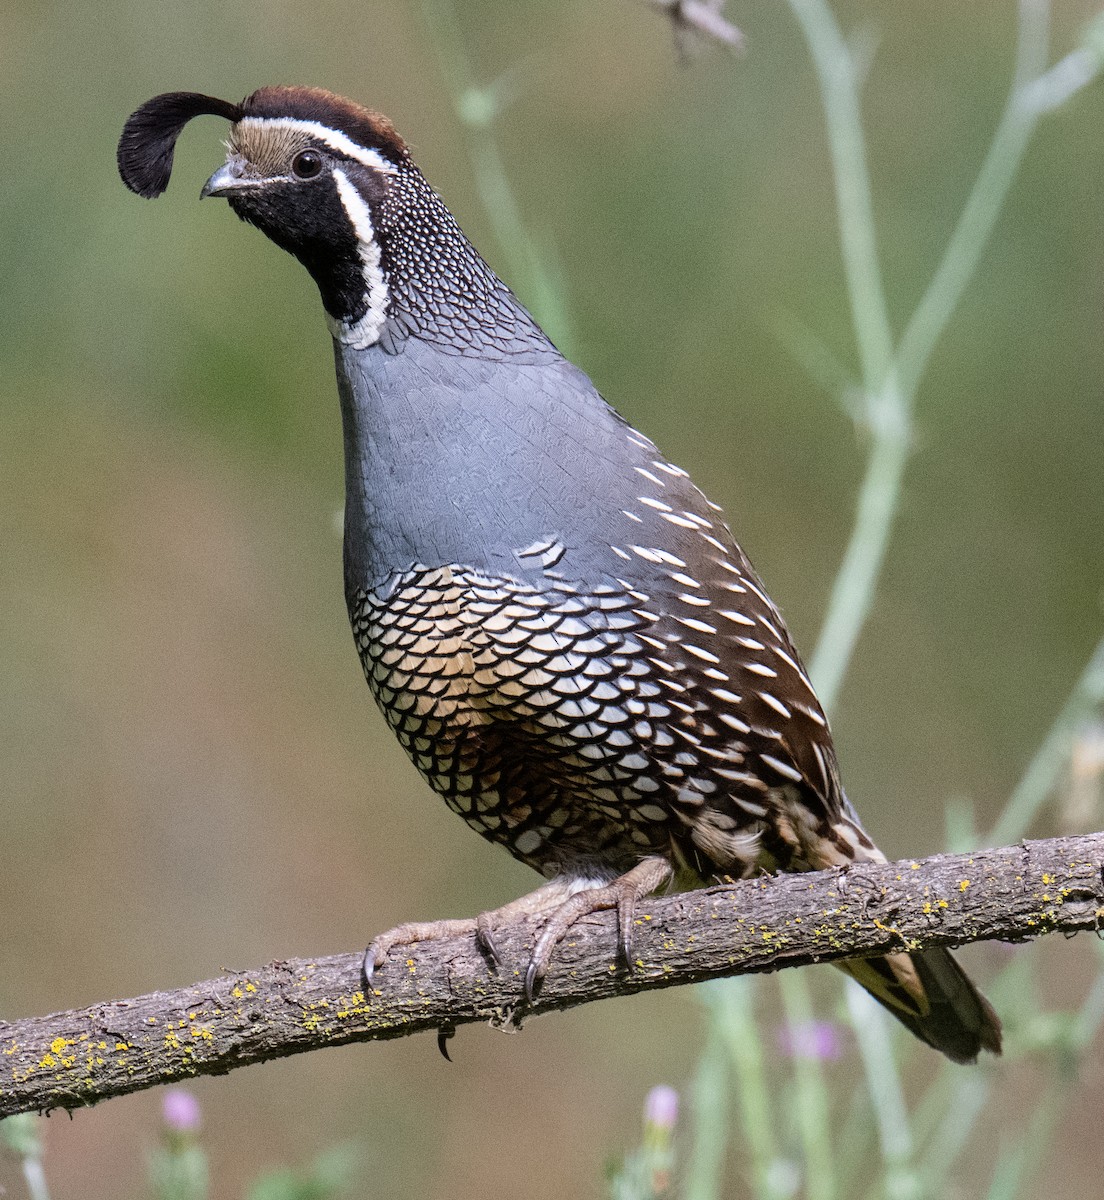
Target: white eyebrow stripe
333,138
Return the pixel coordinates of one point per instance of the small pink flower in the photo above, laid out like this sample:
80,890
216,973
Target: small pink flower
819,1040
180,1111
661,1107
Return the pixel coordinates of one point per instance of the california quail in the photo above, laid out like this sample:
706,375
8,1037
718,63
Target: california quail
556,623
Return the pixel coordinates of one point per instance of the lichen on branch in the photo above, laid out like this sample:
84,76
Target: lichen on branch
71,1059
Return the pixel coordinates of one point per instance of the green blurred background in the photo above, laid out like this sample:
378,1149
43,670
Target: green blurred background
194,776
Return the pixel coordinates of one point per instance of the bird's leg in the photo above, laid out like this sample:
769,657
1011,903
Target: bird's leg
557,902
535,904
622,894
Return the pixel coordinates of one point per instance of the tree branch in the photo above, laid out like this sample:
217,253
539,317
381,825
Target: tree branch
75,1058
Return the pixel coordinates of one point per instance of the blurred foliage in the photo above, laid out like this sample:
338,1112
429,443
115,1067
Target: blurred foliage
327,1177
194,776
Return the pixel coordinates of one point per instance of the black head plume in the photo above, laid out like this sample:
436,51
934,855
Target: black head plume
145,153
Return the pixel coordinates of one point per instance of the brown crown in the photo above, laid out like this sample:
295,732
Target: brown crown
365,127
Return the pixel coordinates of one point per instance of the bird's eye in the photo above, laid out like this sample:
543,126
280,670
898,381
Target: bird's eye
307,164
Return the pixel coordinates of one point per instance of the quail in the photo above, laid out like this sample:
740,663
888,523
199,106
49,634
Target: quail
555,622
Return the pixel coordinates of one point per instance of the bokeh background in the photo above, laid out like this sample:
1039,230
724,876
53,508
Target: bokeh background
193,774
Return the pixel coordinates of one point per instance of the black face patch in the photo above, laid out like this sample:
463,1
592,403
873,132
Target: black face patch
307,219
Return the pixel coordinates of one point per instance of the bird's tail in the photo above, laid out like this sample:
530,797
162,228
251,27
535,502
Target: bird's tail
932,996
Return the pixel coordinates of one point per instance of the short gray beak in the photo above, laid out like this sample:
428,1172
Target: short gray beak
226,179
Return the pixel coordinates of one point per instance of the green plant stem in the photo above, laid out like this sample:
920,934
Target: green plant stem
21,1136
709,1119
1019,1159
1050,759
35,1178
731,1004
839,89
856,581
813,1115
855,1143
982,207
891,377
527,262
887,1098
852,594
961,1097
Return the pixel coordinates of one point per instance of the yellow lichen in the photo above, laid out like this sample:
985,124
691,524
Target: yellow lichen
356,1010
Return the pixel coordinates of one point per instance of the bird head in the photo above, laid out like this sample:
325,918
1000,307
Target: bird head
312,170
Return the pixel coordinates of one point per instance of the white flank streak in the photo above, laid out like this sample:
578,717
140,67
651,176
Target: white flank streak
760,593
776,704
812,712
786,659
681,522
782,768
695,624
365,332
333,138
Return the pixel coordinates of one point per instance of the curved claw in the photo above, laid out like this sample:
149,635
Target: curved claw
624,945
368,966
533,976
484,937
443,1035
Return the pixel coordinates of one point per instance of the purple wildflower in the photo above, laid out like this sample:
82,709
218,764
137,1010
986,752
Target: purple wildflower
180,1111
661,1107
819,1040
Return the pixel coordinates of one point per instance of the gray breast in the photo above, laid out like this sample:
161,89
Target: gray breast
515,468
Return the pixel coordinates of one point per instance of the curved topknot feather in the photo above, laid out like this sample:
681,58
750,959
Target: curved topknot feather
145,153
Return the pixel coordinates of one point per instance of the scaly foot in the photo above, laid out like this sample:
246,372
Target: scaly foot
622,894
559,904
